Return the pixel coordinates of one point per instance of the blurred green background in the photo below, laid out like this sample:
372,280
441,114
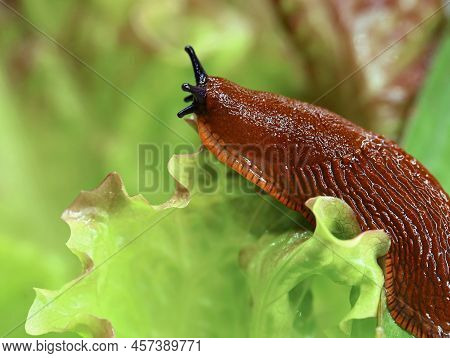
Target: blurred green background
71,113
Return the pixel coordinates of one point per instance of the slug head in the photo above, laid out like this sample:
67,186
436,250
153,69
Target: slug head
247,119
198,92
221,104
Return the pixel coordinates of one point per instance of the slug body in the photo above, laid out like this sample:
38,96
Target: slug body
295,151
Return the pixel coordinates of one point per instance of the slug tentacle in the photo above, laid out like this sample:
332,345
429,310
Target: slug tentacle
200,74
188,110
198,92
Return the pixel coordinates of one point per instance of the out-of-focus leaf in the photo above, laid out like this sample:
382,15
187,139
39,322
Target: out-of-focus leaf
206,25
347,52
337,249
427,136
23,266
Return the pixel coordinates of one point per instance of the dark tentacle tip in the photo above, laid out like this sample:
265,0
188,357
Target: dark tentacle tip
188,110
200,74
186,87
198,92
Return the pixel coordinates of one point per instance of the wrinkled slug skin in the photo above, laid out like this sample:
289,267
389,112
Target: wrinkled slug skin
327,155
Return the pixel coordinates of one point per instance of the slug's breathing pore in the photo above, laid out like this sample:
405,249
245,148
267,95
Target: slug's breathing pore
295,151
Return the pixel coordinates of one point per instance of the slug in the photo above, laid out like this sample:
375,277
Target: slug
295,151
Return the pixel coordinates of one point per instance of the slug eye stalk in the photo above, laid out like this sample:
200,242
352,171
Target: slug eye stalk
197,92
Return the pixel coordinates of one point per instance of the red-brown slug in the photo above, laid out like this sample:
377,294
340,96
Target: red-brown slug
295,151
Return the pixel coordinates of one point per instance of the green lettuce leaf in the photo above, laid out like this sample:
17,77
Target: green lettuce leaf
173,270
337,249
156,271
